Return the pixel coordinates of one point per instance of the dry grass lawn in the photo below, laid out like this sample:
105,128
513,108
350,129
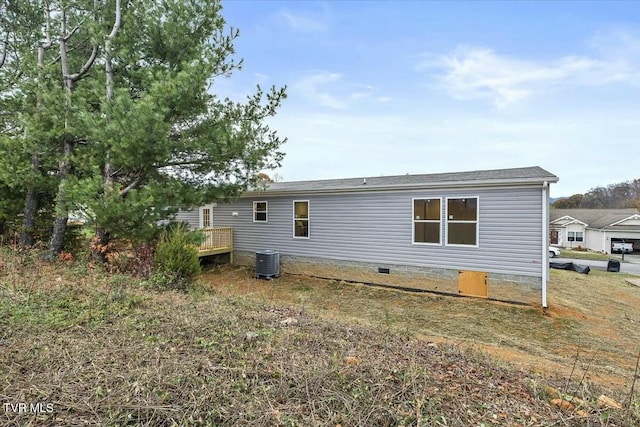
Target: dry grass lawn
592,319
112,350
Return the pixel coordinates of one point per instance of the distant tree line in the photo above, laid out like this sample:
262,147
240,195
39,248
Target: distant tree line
613,196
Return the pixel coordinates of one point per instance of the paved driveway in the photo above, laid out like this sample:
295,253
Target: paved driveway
625,267
633,258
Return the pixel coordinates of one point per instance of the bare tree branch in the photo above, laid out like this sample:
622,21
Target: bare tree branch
131,186
5,46
107,175
116,25
77,76
184,163
72,32
47,25
107,49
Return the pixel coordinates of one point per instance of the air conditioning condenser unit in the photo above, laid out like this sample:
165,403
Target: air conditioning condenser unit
267,264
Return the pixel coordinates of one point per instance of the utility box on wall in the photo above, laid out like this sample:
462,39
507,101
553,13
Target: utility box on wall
473,284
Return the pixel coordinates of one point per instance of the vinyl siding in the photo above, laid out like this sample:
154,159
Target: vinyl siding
595,240
190,217
377,227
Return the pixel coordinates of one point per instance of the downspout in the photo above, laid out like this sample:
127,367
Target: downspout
545,237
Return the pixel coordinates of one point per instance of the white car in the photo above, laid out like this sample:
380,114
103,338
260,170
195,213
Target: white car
553,252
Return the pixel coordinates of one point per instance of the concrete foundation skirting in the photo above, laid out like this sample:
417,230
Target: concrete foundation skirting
506,287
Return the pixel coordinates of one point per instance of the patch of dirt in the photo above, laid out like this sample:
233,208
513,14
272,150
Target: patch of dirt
546,367
563,312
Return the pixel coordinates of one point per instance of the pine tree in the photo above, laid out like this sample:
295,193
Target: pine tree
124,107
25,136
160,139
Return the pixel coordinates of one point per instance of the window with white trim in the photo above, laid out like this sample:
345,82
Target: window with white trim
301,219
260,211
575,236
427,221
205,217
462,221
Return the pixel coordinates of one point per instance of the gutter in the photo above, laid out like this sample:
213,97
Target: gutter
545,236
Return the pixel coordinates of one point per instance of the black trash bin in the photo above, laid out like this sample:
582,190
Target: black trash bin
613,265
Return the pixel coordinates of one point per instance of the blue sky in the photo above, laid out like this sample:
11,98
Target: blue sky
388,88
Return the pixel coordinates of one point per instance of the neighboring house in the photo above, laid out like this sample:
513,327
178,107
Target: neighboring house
595,229
400,230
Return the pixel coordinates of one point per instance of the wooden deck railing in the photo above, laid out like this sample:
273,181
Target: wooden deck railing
217,240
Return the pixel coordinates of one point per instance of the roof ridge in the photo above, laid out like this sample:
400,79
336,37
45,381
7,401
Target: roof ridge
526,175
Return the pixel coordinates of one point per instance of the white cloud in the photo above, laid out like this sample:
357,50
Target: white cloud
314,88
616,43
620,50
261,78
480,73
473,73
304,22
329,89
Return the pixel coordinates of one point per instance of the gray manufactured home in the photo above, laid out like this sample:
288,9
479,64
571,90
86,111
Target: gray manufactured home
414,231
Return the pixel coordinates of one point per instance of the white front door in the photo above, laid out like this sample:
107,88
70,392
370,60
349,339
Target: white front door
206,216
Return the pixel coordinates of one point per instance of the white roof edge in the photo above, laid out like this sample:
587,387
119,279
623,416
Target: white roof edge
563,217
634,216
573,221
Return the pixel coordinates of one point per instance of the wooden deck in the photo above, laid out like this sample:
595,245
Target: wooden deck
217,240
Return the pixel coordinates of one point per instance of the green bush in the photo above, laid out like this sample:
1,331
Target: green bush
176,256
75,238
